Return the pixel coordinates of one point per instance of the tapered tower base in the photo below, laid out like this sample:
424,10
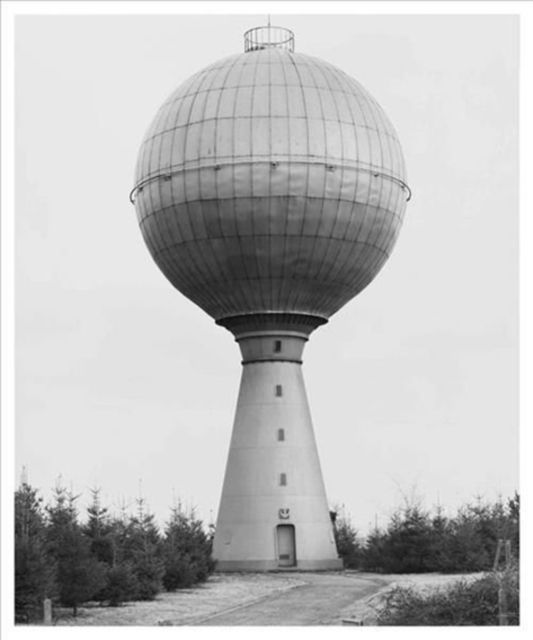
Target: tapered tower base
273,511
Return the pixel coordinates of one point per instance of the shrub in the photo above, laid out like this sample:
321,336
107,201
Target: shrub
186,551
180,573
78,574
414,541
474,603
348,546
141,548
34,569
121,585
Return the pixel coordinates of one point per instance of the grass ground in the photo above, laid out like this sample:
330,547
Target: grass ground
231,592
220,593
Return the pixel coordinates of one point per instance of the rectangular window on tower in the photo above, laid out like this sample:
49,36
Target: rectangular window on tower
281,435
277,346
282,479
279,391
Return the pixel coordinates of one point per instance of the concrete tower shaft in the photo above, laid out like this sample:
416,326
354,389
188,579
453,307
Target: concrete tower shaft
273,510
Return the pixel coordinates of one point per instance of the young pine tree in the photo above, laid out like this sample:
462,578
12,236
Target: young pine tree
513,523
105,535
34,569
407,545
186,551
98,530
79,575
141,549
348,545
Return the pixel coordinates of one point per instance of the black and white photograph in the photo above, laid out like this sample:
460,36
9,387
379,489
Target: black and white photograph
261,277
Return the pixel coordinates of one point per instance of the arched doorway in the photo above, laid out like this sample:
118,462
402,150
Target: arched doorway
286,545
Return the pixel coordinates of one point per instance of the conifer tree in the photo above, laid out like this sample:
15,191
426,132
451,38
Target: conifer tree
348,545
106,536
34,569
98,529
186,550
142,550
79,575
513,518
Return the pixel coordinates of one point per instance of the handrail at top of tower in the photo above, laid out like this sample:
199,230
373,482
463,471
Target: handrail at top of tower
268,37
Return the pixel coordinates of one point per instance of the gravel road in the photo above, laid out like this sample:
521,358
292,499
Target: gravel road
323,599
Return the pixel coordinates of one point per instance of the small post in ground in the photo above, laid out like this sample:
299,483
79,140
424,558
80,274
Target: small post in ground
47,611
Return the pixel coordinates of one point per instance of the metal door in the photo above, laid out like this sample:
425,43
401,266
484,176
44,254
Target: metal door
286,545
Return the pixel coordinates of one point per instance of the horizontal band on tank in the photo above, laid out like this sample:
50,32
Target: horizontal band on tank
308,236
258,360
274,163
272,197
295,322
219,118
270,333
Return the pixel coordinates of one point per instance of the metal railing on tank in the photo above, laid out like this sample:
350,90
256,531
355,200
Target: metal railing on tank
268,37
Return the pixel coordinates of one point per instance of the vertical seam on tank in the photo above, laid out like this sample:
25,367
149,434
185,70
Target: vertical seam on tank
338,199
223,308
163,229
342,84
158,221
327,299
207,271
391,134
395,169
383,228
380,143
270,198
252,196
378,261
357,99
172,266
212,77
308,149
371,265
237,278
203,293
306,299
354,93
198,273
289,196
143,215
149,189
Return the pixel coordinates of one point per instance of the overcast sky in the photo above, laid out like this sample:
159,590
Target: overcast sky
124,384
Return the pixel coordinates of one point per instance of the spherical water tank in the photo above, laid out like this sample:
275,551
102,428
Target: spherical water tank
270,182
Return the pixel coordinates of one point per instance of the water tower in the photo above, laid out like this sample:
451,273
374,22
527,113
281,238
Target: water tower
270,190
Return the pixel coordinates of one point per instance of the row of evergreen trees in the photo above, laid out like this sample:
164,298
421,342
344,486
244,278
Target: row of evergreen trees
113,559
416,540
110,559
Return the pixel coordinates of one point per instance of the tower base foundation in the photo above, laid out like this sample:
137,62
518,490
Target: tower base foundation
227,566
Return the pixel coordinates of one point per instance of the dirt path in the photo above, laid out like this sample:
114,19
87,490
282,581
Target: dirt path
323,599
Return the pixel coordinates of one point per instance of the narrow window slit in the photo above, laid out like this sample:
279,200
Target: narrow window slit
279,391
281,435
282,479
